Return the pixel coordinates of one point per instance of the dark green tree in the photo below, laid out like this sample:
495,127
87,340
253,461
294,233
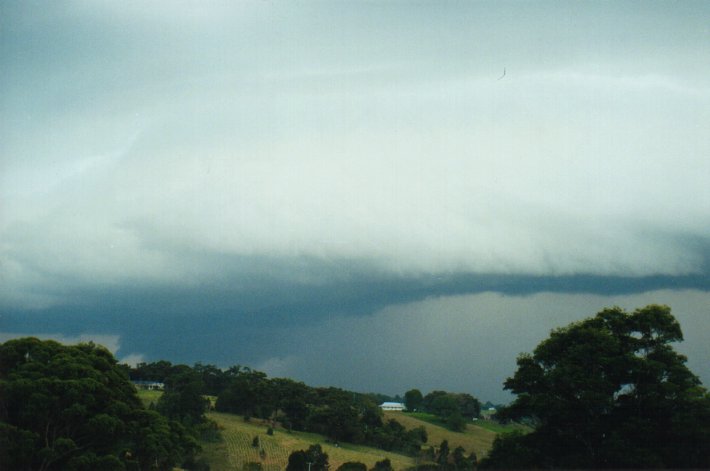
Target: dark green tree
461,462
293,398
413,400
384,465
455,422
214,379
608,392
313,459
156,371
73,407
352,466
469,406
442,458
183,400
249,393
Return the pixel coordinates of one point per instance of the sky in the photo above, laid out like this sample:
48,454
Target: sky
372,195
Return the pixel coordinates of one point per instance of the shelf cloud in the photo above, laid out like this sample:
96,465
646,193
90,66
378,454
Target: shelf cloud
266,164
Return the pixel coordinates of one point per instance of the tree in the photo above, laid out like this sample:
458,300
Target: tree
456,422
183,400
453,408
413,400
384,465
605,392
352,466
462,462
313,459
73,407
469,406
443,457
249,393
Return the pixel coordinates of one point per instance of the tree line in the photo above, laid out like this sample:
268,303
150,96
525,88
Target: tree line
338,414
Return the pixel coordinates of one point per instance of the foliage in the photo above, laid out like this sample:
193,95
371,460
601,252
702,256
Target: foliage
248,393
313,459
72,407
384,465
413,400
454,409
608,392
338,414
183,399
236,449
352,466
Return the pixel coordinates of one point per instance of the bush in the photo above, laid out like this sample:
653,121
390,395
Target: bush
352,466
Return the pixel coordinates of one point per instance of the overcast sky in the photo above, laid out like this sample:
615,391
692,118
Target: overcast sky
373,195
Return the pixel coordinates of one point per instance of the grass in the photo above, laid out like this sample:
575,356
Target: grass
484,423
236,448
148,396
494,426
474,438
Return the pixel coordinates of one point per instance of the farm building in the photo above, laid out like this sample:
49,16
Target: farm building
397,406
153,385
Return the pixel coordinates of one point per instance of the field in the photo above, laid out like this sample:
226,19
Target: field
149,396
236,449
484,423
474,438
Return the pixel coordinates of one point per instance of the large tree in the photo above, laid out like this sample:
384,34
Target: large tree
72,407
609,391
313,459
413,400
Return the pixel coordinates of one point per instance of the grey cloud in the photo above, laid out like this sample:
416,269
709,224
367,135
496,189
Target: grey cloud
228,171
462,343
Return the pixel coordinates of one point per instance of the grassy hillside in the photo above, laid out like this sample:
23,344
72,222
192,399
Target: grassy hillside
236,449
149,396
474,438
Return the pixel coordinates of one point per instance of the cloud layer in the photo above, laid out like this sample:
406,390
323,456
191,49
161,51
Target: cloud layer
550,172
169,169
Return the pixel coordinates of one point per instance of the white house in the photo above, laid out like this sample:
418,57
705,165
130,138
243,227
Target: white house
397,406
152,385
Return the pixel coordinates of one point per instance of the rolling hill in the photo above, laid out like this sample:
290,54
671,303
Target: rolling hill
236,448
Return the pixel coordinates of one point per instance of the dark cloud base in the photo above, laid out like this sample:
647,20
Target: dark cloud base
225,323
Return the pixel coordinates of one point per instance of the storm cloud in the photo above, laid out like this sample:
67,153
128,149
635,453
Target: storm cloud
232,173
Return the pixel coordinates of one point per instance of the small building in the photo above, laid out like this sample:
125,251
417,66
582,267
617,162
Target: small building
151,385
393,406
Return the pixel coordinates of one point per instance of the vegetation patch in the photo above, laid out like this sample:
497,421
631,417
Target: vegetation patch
473,438
236,450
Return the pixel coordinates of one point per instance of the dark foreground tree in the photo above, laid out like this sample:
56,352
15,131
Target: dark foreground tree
384,465
608,392
73,408
352,466
413,400
183,400
313,459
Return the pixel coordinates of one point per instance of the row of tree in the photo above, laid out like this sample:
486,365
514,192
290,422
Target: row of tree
440,459
338,414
